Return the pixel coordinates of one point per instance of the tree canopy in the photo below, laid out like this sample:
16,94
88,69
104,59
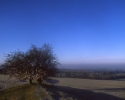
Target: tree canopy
37,62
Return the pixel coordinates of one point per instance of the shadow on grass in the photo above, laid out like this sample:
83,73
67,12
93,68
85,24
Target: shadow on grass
58,92
52,81
113,89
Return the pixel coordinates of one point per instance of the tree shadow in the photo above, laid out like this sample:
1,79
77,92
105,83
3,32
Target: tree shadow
58,92
112,89
52,81
1,87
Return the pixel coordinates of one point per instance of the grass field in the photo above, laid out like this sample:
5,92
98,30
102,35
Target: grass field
107,88
67,89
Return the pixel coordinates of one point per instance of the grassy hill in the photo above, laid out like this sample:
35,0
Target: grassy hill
67,89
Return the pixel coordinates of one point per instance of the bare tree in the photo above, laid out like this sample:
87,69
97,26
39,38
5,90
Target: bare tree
36,63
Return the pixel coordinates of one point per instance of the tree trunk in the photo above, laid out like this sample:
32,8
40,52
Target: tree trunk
30,81
39,81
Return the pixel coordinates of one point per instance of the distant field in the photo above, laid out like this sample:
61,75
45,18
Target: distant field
6,81
3,77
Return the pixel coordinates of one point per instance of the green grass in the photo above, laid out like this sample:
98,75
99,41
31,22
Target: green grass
22,92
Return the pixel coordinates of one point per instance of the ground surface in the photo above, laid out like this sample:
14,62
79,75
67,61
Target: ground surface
6,82
90,89
75,89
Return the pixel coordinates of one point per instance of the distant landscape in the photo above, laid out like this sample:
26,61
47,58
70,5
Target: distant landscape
105,66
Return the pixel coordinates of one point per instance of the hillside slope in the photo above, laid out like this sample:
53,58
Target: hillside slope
67,89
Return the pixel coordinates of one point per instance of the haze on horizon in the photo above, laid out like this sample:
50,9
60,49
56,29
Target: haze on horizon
80,31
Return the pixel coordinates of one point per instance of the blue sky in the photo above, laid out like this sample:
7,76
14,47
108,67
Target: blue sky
80,31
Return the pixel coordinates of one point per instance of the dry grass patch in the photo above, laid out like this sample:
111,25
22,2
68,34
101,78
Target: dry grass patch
22,92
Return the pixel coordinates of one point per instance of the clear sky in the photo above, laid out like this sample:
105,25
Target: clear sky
80,31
